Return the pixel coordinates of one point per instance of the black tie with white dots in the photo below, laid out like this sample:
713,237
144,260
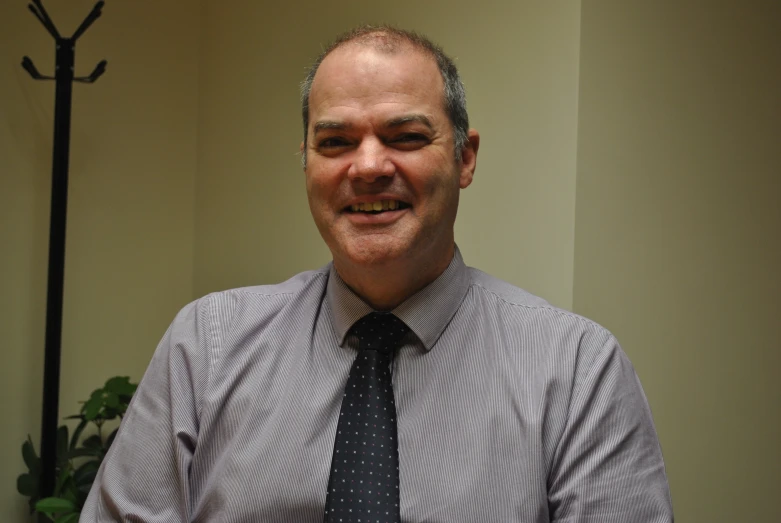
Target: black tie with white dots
364,482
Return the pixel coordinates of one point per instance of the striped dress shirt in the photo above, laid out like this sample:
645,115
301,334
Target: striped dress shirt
509,410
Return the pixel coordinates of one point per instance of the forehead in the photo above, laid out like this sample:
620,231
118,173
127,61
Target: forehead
357,76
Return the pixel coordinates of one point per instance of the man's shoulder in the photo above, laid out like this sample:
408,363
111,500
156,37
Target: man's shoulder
505,291
287,289
305,288
512,301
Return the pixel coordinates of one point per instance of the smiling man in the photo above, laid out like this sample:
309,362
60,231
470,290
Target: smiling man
382,167
396,383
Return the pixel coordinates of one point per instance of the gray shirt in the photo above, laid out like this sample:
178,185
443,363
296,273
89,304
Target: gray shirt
509,410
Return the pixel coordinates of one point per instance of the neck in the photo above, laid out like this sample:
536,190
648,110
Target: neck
387,286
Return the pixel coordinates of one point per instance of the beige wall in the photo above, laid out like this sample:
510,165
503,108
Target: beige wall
678,235
253,222
130,226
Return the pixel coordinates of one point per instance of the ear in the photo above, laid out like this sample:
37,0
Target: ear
469,158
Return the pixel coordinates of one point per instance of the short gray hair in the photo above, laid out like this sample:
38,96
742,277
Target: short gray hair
454,92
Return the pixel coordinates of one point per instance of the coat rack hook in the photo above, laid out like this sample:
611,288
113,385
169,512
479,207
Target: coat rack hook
91,17
94,75
29,66
40,13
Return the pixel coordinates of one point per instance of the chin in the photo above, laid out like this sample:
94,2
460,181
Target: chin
368,253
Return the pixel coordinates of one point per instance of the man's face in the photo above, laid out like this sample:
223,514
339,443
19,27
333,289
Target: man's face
379,138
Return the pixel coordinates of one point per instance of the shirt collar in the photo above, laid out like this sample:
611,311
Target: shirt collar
426,313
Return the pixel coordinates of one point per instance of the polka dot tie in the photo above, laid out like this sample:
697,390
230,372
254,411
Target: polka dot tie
364,482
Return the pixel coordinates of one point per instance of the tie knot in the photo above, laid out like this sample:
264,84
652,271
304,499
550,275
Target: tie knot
380,331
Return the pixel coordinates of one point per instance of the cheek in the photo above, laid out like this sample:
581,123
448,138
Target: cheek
437,189
322,194
317,187
323,179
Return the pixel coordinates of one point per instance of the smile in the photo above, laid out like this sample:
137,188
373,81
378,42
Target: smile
377,207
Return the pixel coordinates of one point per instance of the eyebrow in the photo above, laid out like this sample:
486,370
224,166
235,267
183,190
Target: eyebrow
324,125
401,120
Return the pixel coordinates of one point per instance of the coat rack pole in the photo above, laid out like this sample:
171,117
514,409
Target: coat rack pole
64,78
54,297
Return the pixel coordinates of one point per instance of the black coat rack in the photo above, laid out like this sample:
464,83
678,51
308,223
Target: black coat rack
64,78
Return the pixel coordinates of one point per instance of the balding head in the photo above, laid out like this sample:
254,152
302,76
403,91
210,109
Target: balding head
391,40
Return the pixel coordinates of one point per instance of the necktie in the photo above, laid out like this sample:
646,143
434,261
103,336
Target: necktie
364,481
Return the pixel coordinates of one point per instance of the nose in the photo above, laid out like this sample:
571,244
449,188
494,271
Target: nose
370,162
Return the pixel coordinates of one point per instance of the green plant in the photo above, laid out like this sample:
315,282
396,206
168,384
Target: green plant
79,455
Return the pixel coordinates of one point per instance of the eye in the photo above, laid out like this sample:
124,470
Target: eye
410,140
332,143
410,137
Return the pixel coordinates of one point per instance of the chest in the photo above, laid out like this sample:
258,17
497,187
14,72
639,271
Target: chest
471,441
456,464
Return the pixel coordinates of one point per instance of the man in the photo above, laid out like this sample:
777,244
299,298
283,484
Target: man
482,403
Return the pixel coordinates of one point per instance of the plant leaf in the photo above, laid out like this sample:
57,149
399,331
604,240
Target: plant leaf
112,400
62,443
71,495
77,433
121,386
110,413
93,442
27,485
54,505
73,517
82,452
63,477
92,407
31,459
85,474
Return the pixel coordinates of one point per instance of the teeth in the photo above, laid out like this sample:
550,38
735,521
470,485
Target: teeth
383,205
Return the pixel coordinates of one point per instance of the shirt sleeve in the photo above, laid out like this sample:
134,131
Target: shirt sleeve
145,475
608,465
